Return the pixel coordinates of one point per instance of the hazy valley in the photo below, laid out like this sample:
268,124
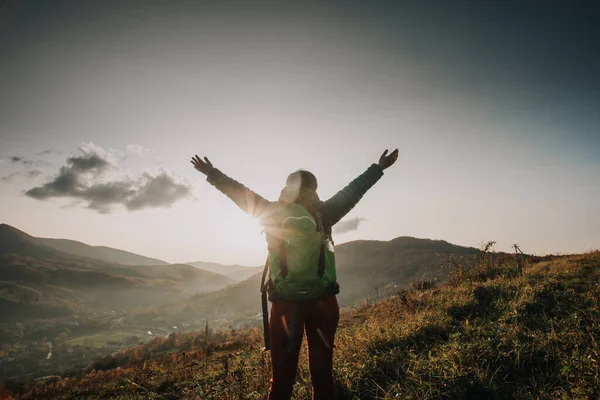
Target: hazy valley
486,325
64,303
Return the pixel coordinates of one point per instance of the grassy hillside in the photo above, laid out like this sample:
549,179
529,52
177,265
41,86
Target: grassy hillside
489,332
103,253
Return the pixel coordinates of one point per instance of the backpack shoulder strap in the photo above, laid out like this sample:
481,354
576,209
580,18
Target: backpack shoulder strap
321,267
265,307
317,216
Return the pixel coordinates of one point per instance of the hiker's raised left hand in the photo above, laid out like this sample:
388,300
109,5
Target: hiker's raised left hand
386,161
204,166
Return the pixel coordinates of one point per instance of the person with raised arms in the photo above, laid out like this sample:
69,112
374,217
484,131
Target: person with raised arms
300,271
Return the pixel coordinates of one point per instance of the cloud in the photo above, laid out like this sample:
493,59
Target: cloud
32,173
111,156
28,163
86,179
140,150
49,151
20,160
10,177
348,225
157,191
88,162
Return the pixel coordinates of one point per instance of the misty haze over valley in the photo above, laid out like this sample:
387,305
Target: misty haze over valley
98,299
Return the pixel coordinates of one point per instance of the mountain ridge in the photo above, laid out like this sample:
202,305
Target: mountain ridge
31,270
105,253
364,268
234,271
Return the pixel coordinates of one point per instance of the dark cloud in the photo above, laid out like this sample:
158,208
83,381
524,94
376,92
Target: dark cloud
348,225
88,162
21,160
66,184
157,191
80,180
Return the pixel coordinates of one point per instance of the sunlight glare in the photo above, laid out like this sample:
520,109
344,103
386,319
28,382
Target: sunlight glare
244,232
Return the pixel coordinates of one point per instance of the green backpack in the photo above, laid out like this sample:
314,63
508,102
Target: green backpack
302,264
301,261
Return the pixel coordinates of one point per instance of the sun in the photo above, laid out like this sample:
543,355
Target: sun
244,233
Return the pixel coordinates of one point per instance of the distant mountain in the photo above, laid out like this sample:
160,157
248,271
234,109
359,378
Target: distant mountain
245,273
183,273
30,269
15,241
236,272
363,267
37,281
235,303
103,253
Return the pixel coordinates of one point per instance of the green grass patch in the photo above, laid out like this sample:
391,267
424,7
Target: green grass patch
101,338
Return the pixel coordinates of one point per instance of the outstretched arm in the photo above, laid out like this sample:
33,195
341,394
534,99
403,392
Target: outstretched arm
345,200
249,201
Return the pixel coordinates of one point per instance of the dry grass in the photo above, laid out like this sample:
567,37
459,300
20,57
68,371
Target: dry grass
495,334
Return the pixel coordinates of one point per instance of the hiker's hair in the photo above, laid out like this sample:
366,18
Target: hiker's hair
305,180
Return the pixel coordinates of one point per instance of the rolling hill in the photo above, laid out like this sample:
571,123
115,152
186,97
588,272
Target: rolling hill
14,241
117,256
30,268
363,267
236,272
103,253
38,280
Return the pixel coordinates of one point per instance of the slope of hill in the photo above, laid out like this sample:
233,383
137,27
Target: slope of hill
103,253
236,272
183,273
238,303
365,266
37,280
494,334
15,241
244,274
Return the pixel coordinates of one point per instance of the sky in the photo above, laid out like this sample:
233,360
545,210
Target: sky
494,107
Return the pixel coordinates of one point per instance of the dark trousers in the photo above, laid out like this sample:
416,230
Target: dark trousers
320,319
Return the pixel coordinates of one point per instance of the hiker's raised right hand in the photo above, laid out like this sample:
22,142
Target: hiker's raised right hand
204,166
387,160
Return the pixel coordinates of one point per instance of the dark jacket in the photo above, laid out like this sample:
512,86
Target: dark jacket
331,211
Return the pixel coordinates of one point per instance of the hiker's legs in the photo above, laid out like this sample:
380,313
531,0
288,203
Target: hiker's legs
284,363
321,324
